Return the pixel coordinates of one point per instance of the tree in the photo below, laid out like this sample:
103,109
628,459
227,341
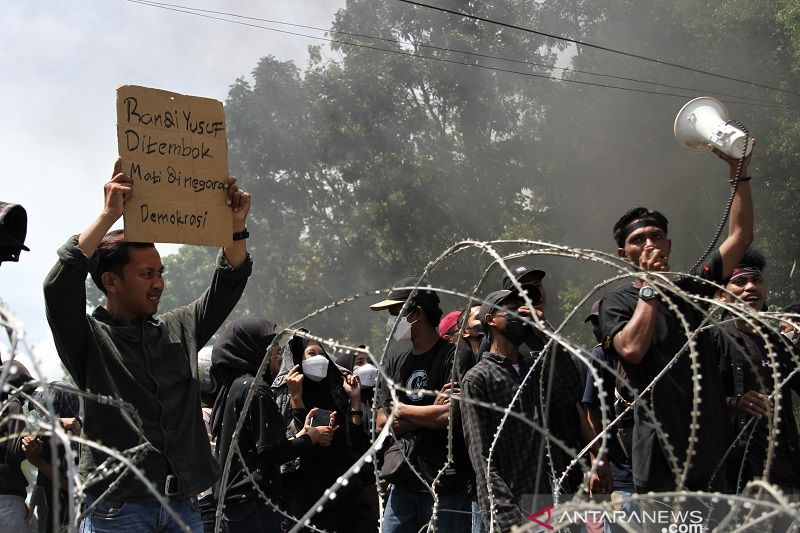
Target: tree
613,149
365,167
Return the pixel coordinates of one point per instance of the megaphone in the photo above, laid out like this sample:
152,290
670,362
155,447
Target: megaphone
704,120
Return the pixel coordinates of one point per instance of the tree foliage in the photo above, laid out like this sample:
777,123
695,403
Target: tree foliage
367,164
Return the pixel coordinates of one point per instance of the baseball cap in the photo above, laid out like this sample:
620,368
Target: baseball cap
402,290
447,323
519,272
494,300
13,228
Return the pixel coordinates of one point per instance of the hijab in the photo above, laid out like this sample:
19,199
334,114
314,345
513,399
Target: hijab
239,351
327,393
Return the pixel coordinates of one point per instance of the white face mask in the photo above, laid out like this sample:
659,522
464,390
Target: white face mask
403,330
316,367
367,374
792,335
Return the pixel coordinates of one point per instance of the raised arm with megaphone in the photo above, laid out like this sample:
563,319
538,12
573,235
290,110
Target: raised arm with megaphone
704,121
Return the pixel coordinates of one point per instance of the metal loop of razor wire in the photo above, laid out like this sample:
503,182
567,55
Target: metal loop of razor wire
757,320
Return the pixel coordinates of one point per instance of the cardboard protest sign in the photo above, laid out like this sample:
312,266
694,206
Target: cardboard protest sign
175,150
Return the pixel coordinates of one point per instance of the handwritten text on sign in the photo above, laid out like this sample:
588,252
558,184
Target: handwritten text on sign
175,150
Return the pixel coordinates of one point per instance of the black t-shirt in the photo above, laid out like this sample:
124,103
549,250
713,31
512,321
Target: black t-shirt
745,365
430,371
671,398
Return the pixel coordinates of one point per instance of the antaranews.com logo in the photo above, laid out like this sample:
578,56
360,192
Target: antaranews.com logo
671,521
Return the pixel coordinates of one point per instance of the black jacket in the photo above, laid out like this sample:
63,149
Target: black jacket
152,366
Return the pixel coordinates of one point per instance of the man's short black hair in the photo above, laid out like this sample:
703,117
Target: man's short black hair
754,259
792,308
433,313
637,213
113,255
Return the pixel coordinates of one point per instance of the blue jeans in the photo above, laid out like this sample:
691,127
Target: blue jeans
407,511
630,508
13,513
477,519
140,517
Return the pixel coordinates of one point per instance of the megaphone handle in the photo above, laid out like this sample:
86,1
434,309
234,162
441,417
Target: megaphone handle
745,148
734,186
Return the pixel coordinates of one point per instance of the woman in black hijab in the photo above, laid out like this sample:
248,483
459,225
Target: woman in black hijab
262,441
316,382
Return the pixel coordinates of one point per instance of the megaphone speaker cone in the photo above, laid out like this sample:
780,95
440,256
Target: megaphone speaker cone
697,120
704,121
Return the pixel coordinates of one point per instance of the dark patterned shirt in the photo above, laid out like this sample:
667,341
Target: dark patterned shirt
514,464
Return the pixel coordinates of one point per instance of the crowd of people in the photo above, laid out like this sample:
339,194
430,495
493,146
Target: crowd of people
478,424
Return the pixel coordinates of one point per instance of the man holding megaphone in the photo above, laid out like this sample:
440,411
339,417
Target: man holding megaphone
638,323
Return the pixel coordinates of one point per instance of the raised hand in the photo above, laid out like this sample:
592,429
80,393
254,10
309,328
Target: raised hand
294,382
352,386
239,201
733,163
653,259
117,191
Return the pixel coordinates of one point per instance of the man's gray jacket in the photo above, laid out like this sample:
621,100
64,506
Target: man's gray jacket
152,366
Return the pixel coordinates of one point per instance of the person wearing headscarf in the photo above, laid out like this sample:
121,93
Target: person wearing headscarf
262,442
357,363
316,382
38,450
13,484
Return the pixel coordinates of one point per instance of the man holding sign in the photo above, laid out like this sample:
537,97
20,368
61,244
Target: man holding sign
125,352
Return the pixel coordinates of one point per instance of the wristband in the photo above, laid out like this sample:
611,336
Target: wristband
360,412
241,235
740,180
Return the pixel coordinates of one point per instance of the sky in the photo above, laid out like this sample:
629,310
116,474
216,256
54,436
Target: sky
62,62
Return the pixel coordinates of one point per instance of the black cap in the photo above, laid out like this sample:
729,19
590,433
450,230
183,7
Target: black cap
519,272
494,300
402,290
13,228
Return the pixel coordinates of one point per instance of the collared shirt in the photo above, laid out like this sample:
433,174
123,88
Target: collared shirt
514,464
151,365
